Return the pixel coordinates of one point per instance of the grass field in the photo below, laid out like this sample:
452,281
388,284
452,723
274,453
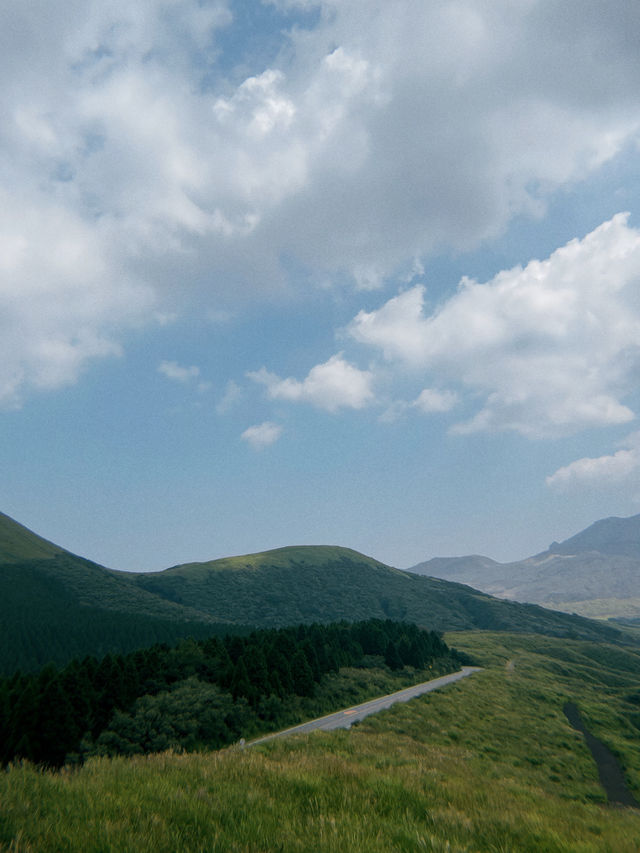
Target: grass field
488,764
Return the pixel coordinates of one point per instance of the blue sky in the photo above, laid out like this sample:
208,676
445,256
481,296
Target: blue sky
337,272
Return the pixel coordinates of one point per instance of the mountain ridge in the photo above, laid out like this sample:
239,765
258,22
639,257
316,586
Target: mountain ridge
273,556
18,543
614,536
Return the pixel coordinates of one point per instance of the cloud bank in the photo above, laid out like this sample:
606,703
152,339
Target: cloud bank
141,171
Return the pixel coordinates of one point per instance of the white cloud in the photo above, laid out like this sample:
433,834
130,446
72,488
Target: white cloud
431,400
399,328
548,349
262,435
333,385
620,468
59,306
174,371
387,130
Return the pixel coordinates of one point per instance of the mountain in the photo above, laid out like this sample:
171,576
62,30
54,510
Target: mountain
595,573
615,537
55,605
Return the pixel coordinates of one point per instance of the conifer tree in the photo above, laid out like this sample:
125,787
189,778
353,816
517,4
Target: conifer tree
240,684
392,656
302,674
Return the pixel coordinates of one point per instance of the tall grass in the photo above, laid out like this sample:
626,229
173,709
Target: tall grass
487,764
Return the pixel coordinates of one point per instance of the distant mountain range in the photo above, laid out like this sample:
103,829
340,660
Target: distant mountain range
55,605
595,573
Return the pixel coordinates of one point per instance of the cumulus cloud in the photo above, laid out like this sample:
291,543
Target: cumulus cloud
399,328
549,349
59,305
382,132
262,435
333,385
620,468
458,122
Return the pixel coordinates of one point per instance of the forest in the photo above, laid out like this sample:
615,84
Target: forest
196,694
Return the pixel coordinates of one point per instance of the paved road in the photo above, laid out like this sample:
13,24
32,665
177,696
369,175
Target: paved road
344,719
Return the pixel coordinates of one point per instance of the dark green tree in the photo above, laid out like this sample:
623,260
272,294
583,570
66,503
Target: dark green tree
392,656
240,684
302,674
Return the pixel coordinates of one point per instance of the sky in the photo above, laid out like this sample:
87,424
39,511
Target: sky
339,272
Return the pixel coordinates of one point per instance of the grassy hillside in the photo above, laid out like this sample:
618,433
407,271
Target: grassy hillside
24,554
323,584
488,764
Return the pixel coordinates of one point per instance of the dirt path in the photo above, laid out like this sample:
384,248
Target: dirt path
609,769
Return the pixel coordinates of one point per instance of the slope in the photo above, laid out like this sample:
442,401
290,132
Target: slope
615,537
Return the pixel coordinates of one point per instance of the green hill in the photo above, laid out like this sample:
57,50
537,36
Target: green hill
323,584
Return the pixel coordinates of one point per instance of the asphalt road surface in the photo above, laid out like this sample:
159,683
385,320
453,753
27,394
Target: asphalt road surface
344,719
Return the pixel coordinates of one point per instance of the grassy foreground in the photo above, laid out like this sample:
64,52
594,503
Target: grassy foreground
487,764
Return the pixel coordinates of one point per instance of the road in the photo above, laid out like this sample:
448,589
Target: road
344,719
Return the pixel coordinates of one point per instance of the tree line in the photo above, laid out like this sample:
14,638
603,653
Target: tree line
195,694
